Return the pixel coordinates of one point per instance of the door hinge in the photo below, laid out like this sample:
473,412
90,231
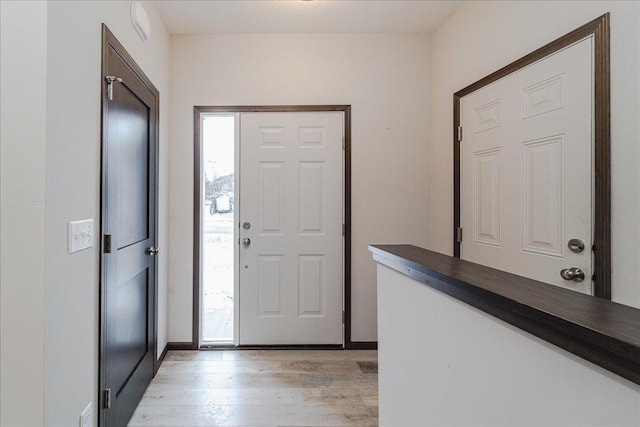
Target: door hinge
343,230
106,398
110,80
459,234
107,243
343,317
459,133
344,141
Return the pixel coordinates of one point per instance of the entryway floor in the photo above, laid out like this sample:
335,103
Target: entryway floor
263,388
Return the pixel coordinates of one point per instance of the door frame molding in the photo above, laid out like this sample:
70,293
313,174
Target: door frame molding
197,110
110,41
599,29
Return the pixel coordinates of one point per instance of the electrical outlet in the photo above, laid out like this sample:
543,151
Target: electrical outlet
80,235
85,417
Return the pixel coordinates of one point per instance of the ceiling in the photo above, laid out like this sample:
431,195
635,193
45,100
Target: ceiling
297,16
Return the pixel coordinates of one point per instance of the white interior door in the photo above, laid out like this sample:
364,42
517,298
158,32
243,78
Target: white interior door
291,215
526,170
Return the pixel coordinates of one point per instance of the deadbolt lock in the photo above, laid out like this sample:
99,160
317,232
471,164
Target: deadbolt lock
576,245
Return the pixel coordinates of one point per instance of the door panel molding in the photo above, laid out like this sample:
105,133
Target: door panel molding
198,110
599,29
115,56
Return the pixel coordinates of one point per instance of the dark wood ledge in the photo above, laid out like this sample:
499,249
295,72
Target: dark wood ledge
598,330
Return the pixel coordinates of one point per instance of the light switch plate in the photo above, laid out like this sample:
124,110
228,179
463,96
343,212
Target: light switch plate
80,235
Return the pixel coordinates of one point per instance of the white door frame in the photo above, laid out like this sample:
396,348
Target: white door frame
197,214
601,181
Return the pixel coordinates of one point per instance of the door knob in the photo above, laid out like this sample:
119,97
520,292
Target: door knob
152,251
246,241
573,273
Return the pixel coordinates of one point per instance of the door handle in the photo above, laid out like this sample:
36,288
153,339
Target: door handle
152,251
246,241
573,273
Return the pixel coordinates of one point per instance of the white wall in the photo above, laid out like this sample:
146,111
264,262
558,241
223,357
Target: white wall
22,218
440,371
481,37
73,190
386,80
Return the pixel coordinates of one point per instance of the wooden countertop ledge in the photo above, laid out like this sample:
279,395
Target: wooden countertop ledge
603,332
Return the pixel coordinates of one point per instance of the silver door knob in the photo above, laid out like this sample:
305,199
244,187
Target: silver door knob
246,241
573,273
152,251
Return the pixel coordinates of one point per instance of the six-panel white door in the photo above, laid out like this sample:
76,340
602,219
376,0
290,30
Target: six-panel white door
291,215
526,164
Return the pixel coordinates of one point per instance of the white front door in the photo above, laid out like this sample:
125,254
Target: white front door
526,165
291,215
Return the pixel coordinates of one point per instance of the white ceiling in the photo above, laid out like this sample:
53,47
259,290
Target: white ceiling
296,16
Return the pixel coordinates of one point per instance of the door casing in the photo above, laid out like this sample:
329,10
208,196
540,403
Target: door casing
198,110
599,29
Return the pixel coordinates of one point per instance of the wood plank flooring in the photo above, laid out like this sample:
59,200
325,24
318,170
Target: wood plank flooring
262,388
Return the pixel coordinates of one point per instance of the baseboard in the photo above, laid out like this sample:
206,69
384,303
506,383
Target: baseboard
157,363
362,345
181,346
163,354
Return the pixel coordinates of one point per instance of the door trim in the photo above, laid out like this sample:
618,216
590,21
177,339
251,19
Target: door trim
599,29
110,41
197,110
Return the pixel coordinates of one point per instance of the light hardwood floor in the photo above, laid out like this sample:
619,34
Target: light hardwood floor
262,388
